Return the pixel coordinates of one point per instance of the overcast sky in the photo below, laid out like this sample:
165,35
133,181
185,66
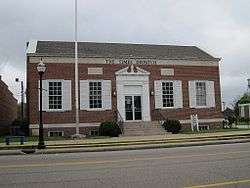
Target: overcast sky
221,27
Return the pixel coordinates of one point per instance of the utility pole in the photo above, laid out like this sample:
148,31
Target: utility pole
248,86
22,106
22,97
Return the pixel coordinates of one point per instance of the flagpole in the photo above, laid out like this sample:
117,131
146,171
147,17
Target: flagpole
76,74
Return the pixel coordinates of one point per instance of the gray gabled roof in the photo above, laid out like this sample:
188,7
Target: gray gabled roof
121,50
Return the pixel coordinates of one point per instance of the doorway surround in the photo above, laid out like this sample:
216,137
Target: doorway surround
133,81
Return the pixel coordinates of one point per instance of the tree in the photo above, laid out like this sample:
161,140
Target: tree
245,98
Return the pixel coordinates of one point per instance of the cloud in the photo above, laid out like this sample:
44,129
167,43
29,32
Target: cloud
9,73
221,27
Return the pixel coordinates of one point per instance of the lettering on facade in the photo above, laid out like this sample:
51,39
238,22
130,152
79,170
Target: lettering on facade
131,61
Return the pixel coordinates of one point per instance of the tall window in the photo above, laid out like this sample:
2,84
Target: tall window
167,94
95,94
201,94
55,95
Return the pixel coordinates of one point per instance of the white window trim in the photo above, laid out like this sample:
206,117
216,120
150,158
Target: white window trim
55,110
95,109
173,107
201,107
168,107
201,81
98,109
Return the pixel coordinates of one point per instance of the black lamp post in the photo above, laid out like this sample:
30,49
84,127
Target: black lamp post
41,69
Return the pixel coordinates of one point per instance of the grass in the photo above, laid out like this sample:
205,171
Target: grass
32,139
35,138
243,123
212,131
97,137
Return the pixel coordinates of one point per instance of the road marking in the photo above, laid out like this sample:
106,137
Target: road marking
67,163
220,184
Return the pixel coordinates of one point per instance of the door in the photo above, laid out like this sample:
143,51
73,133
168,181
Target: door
133,109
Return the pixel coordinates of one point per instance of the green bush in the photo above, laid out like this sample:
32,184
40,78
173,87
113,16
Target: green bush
109,128
231,120
171,125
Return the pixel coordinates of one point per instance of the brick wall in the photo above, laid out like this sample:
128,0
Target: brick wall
65,70
8,107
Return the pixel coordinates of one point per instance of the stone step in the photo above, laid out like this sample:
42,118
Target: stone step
143,133
143,128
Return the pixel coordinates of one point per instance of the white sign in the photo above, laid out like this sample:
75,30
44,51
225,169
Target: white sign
194,122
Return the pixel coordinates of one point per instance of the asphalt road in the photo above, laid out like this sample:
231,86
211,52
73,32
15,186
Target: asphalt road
206,166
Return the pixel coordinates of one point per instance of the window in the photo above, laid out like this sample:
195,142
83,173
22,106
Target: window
201,94
55,95
203,127
94,133
167,94
95,94
55,133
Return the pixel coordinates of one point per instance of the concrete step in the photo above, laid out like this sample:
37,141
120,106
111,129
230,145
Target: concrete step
143,128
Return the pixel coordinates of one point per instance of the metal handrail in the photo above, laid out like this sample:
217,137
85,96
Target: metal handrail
161,117
120,121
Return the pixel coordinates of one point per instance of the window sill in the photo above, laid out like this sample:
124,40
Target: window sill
55,111
96,109
199,107
168,108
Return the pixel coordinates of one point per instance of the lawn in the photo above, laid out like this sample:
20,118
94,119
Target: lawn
243,123
212,131
35,138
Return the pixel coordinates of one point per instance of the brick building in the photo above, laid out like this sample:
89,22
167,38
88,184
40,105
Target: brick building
8,108
140,81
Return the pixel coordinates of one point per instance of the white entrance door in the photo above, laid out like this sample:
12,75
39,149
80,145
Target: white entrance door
133,107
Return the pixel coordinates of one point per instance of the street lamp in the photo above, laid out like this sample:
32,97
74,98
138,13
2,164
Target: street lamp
41,69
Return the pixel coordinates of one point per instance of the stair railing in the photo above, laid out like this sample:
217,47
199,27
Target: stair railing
120,121
161,118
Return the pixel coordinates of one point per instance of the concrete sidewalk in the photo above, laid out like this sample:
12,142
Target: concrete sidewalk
130,143
166,137
126,147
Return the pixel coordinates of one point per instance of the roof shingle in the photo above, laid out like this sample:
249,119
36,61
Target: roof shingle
122,50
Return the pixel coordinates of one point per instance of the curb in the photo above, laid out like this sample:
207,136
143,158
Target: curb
124,148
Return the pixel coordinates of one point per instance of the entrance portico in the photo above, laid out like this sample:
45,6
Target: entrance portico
132,86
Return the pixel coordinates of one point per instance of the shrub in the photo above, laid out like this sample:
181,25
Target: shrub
109,128
172,125
231,120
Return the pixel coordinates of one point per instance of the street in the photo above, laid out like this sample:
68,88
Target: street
203,166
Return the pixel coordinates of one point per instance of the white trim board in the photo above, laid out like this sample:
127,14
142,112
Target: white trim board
247,104
31,48
214,120
97,124
102,60
65,125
